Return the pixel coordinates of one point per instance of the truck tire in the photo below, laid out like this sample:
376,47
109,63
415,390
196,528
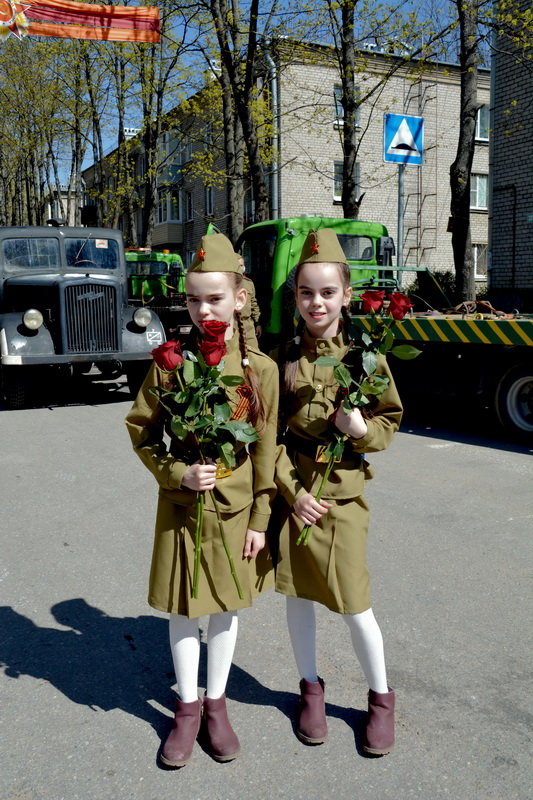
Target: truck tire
514,401
14,388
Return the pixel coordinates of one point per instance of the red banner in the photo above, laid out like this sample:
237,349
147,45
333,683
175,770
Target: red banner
73,20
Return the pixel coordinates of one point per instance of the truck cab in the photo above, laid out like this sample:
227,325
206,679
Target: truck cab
64,304
271,251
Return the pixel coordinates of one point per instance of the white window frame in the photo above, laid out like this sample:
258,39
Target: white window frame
338,168
338,110
177,194
477,253
477,180
482,110
209,201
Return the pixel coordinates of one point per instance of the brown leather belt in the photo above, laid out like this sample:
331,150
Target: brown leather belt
314,448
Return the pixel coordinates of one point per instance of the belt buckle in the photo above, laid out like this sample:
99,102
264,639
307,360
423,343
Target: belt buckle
321,457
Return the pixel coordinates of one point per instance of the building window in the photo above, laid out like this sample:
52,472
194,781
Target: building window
189,209
478,192
162,213
338,110
174,200
480,253
209,202
482,124
338,171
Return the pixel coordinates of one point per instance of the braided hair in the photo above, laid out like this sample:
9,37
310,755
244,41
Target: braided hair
257,406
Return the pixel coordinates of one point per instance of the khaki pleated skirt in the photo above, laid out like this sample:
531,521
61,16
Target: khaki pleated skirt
171,574
331,569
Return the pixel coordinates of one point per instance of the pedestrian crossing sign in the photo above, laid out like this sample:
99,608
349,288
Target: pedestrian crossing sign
403,139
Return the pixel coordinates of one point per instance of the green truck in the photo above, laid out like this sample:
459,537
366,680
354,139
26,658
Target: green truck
156,279
271,251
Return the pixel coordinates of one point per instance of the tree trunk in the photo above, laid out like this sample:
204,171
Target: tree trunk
460,170
350,199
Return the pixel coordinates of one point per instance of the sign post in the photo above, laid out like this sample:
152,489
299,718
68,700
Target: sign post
403,143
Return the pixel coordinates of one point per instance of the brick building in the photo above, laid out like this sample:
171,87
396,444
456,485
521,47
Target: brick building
308,172
511,222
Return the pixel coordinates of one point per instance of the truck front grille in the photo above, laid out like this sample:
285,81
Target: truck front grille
91,318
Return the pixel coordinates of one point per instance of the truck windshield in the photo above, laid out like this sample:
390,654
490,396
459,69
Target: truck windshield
31,254
356,248
99,253
146,267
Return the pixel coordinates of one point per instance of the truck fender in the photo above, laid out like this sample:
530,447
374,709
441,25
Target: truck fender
16,341
135,338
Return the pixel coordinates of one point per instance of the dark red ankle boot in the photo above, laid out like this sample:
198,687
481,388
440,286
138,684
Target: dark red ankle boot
177,749
312,725
221,739
379,734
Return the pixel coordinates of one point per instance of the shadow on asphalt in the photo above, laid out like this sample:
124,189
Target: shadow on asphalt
85,390
108,663
469,426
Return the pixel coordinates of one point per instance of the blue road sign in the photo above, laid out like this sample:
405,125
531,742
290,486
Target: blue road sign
403,139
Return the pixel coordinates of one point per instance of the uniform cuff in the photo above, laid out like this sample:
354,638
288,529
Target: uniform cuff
176,473
258,521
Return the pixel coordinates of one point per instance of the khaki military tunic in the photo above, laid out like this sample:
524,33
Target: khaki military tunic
243,497
250,313
331,569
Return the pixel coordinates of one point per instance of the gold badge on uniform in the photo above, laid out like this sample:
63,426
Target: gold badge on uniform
322,456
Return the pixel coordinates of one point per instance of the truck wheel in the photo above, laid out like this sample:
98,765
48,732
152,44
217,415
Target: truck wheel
135,375
14,387
514,401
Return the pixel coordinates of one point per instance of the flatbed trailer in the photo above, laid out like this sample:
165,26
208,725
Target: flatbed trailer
486,357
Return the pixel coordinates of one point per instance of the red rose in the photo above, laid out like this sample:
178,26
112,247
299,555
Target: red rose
168,355
399,305
372,301
213,343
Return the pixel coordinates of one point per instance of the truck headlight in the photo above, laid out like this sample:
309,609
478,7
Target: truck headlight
142,317
32,319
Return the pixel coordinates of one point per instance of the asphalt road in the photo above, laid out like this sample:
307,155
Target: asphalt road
86,680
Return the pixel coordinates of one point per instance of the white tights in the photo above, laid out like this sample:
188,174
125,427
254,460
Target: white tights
184,637
366,636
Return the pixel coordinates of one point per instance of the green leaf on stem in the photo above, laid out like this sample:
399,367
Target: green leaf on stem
405,352
241,431
178,428
342,376
221,412
388,341
189,373
327,361
370,362
231,380
227,454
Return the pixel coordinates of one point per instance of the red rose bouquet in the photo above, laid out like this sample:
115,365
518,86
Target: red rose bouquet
200,416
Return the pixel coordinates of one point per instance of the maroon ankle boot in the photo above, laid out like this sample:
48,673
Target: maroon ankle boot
312,725
379,734
221,738
177,749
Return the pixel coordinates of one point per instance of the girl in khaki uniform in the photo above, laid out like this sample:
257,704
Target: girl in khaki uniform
331,569
214,292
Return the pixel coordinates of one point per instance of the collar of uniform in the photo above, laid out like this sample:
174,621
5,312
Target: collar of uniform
325,347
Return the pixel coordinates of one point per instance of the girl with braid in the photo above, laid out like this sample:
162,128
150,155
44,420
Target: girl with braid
331,569
214,293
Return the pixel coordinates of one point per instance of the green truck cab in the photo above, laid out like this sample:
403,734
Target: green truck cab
271,251
156,279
